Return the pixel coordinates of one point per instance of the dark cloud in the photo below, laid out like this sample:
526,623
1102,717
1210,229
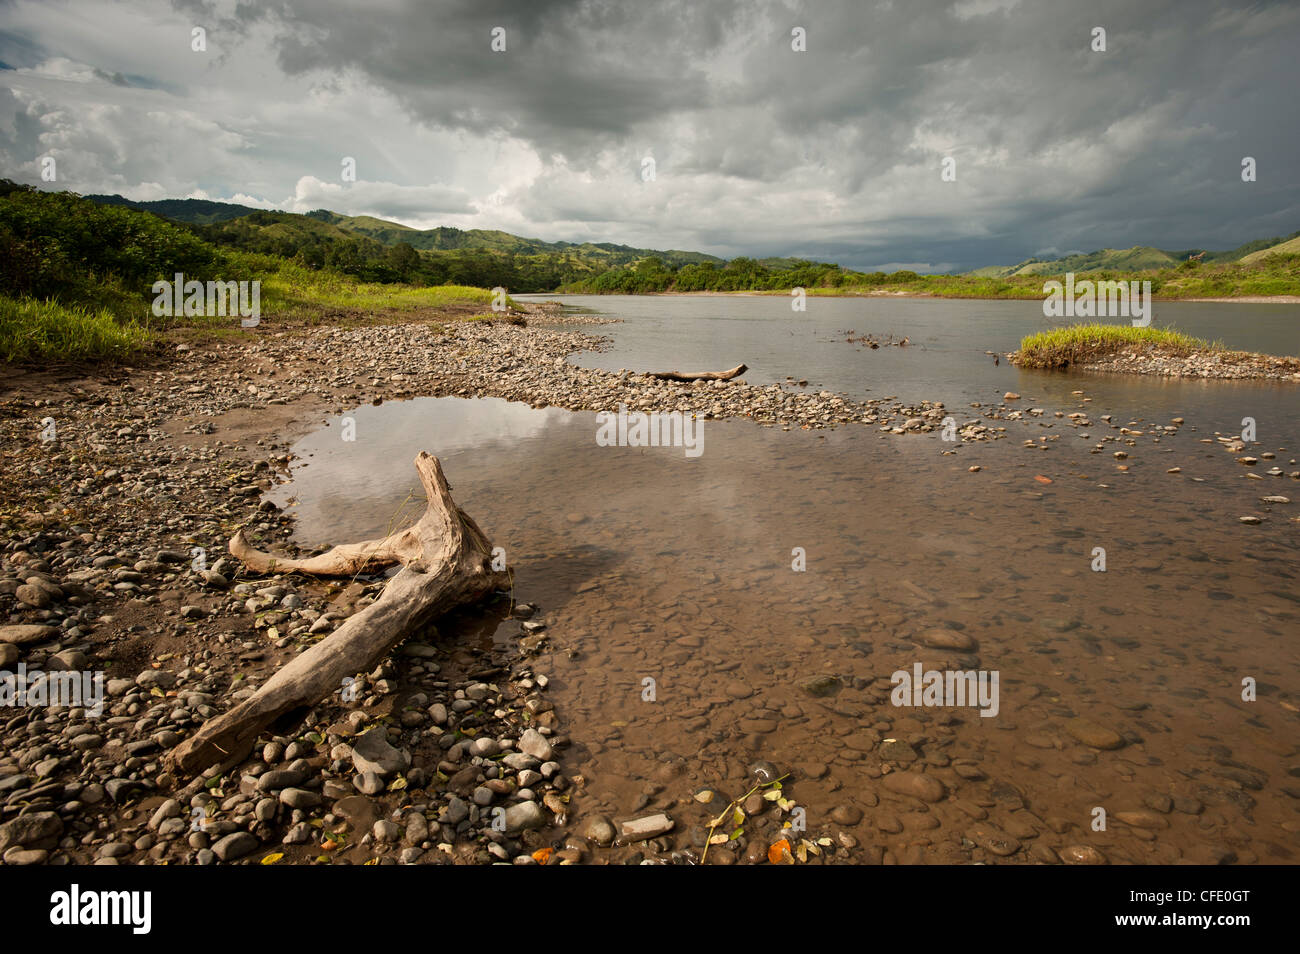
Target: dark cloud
833,153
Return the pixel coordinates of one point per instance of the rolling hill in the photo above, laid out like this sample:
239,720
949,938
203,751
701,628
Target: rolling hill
1139,258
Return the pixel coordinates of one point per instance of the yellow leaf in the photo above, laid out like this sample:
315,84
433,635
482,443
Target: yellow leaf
272,858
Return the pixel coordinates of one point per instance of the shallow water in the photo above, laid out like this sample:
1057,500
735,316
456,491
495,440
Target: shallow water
649,564
945,359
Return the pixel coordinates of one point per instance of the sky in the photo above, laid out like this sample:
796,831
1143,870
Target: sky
937,136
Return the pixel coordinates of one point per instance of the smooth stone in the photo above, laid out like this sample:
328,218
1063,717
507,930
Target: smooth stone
35,830
993,839
535,744
1082,855
372,753
1142,819
1094,735
847,815
947,639
641,829
600,830
524,817
916,785
27,633
235,845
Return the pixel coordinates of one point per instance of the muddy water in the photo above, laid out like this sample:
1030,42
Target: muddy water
650,565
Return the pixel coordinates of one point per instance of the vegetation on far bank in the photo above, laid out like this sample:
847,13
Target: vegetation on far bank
1081,344
76,281
1274,274
375,251
76,274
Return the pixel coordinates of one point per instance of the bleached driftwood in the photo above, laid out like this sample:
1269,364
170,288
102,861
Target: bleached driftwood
700,375
446,563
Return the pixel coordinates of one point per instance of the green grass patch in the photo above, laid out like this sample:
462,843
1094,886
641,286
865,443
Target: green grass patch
293,291
1081,344
32,330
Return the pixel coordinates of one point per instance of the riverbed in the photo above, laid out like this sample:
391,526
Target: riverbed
753,603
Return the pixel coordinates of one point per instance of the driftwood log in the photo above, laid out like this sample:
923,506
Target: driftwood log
446,563
700,375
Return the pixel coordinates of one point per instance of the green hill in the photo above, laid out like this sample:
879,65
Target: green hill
1290,247
377,250
1136,259
189,211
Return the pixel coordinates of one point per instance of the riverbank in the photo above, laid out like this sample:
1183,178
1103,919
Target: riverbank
123,486
145,464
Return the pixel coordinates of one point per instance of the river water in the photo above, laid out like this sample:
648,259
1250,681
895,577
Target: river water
695,604
945,357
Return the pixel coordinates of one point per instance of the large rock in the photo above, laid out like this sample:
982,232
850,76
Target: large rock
524,816
915,785
235,845
34,596
27,633
535,744
372,753
35,831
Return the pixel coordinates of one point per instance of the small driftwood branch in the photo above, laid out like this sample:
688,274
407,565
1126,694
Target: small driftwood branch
446,563
700,375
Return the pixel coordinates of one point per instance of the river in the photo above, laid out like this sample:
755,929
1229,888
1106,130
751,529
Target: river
755,602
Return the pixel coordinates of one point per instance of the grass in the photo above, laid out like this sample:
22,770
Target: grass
32,330
296,293
1080,344
120,324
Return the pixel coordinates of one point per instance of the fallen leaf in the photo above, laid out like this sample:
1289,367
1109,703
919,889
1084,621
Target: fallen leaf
272,858
779,853
1041,479
542,855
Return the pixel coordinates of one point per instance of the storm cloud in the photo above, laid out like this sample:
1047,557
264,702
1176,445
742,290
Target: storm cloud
833,152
